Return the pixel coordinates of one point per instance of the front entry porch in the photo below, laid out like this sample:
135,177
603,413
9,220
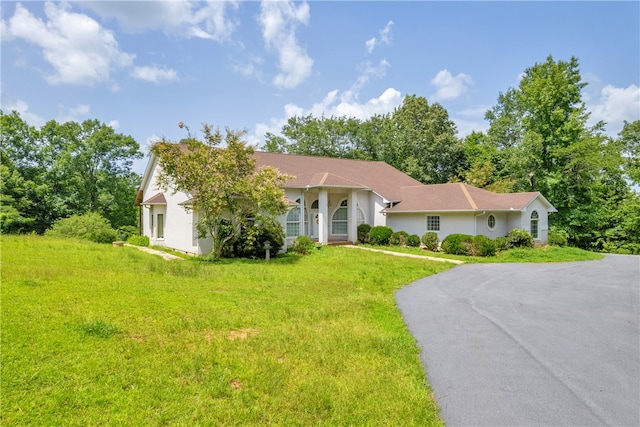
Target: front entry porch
328,216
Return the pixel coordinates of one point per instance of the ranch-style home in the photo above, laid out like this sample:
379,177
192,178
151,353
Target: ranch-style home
330,197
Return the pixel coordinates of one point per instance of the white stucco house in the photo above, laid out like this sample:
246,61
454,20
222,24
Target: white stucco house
330,197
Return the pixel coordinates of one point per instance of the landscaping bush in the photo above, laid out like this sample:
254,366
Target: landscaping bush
484,246
430,241
413,241
457,244
558,237
90,226
502,244
126,231
303,245
138,240
250,242
518,238
363,233
380,235
399,238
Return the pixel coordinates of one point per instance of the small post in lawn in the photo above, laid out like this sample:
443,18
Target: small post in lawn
267,248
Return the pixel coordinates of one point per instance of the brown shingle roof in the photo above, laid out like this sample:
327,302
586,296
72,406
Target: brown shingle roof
334,172
459,197
158,199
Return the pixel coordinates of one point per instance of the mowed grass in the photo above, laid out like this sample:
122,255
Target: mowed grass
539,254
100,335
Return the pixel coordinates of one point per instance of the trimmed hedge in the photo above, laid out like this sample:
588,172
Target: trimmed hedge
457,244
518,238
399,238
302,245
413,241
484,246
380,235
363,233
430,241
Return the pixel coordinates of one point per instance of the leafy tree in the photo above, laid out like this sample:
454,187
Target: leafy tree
425,146
224,182
65,169
630,140
539,140
416,138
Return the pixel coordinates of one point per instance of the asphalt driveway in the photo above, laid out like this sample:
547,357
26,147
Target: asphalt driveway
531,344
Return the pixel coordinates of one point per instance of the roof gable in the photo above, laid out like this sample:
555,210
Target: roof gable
311,171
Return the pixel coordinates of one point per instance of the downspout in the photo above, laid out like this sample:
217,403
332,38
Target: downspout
475,222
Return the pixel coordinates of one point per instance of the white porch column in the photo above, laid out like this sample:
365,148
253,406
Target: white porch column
352,216
323,216
302,229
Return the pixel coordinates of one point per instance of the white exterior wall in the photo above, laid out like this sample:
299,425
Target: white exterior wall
543,222
178,223
377,204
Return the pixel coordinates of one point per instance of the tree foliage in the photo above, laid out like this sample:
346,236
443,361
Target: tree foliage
224,183
417,138
64,169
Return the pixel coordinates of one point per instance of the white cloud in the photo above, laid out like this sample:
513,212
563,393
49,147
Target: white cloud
80,51
333,104
385,38
249,68
115,124
73,114
22,108
450,87
279,21
190,19
154,74
80,110
614,106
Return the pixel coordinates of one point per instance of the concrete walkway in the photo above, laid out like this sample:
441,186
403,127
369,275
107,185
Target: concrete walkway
549,344
167,256
430,258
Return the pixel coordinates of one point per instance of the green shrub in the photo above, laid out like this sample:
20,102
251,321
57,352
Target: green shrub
253,236
502,244
430,241
90,226
363,233
457,244
558,237
484,246
138,240
303,245
518,238
380,235
413,241
125,232
399,238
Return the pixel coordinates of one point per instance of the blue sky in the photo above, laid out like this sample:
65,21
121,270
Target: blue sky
145,66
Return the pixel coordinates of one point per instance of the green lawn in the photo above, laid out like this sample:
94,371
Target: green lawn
98,335
541,254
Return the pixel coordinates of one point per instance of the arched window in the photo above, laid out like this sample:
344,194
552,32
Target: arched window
491,222
314,205
339,219
293,221
534,224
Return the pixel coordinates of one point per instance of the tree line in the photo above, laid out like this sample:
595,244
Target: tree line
538,140
64,169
